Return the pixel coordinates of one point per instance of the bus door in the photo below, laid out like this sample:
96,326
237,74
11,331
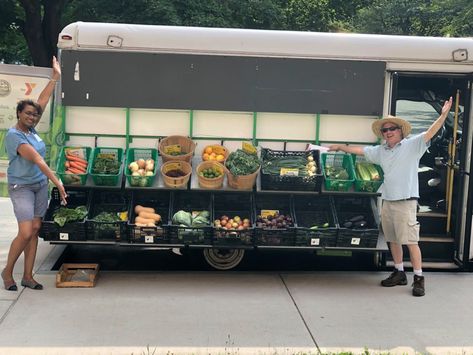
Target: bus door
444,210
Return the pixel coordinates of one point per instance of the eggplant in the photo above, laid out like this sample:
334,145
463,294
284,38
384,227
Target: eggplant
360,224
357,218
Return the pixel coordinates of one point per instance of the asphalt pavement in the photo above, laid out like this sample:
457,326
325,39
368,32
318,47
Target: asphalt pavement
233,312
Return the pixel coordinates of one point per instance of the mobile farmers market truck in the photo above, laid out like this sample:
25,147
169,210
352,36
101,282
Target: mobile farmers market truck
127,88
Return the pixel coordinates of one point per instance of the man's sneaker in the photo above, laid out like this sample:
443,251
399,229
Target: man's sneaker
418,288
396,278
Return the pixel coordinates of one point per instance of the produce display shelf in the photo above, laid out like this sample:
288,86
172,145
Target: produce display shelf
95,242
380,246
156,246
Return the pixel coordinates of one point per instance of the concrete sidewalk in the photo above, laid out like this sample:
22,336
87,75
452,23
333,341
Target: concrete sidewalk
231,312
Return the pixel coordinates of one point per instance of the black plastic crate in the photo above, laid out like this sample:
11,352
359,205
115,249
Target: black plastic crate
315,221
160,201
192,202
113,202
272,181
233,205
358,235
71,231
275,235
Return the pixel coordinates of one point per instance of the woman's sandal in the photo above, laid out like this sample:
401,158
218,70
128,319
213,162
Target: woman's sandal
10,285
31,284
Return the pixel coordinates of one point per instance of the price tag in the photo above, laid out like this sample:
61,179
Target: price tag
267,213
248,147
107,156
63,236
149,239
217,149
314,241
355,241
289,172
172,149
173,166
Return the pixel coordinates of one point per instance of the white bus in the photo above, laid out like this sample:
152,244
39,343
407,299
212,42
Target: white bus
126,85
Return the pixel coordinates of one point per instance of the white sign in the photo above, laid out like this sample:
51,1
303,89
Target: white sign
14,88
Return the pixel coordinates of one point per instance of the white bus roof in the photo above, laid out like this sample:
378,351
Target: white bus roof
265,43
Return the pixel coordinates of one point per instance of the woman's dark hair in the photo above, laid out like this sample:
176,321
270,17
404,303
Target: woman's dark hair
28,102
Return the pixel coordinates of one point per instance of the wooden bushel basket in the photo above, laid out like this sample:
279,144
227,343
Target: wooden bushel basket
176,182
242,182
210,183
187,148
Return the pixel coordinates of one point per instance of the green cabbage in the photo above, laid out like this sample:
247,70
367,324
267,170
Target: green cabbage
182,217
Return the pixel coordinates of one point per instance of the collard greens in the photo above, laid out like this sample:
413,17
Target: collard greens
65,215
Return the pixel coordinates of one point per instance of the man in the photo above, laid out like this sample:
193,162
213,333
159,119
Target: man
399,158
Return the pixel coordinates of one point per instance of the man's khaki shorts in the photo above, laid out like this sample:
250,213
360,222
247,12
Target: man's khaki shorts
399,221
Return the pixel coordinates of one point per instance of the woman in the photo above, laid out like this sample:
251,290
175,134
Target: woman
28,176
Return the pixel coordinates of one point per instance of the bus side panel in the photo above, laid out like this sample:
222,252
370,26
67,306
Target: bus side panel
226,83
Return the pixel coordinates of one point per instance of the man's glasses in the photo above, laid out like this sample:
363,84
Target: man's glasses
390,129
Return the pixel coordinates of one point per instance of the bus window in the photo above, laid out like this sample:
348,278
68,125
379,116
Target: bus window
419,114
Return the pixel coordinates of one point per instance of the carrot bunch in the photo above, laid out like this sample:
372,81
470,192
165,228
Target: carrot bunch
75,164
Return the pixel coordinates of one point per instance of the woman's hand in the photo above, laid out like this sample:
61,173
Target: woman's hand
63,194
56,69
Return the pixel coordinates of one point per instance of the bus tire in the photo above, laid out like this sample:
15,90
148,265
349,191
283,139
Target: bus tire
223,259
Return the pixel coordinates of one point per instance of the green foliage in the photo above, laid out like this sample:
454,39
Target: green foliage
310,15
405,17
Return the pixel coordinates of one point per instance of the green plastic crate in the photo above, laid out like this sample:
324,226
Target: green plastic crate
367,186
337,161
107,179
134,154
73,179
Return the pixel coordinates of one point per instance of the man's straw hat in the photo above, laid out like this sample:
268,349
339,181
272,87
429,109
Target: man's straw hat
405,126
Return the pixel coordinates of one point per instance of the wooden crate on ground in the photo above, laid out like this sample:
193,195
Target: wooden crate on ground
77,275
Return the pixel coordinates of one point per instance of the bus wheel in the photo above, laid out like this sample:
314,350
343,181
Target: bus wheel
378,259
223,259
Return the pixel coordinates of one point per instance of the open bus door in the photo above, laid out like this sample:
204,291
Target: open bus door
445,211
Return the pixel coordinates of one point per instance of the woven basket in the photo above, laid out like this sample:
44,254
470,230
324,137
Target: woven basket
242,182
218,149
210,183
176,182
187,148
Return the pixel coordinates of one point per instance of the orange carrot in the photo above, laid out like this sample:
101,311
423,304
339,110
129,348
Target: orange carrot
66,164
76,165
75,158
77,161
76,171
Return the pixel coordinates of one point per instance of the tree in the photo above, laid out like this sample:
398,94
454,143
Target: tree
309,15
39,23
417,17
